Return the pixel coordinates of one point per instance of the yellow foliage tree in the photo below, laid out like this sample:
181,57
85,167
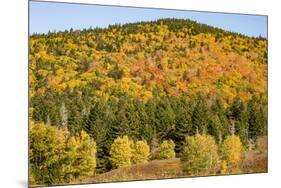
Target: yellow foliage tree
57,158
80,157
121,152
166,150
140,152
46,151
200,155
231,150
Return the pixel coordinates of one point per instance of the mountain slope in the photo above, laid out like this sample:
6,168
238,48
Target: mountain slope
151,81
169,55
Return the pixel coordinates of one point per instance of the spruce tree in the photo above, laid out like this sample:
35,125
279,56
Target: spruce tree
183,122
200,116
257,119
239,114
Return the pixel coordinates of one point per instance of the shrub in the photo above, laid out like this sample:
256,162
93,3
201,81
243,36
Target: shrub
231,150
140,152
166,150
200,155
121,152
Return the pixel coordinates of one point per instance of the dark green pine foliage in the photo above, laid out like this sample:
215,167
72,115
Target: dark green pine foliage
218,125
134,120
257,118
183,121
201,115
76,109
96,126
122,124
162,117
165,119
145,128
238,112
46,107
150,110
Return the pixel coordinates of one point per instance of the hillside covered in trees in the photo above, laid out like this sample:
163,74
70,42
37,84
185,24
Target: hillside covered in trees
150,83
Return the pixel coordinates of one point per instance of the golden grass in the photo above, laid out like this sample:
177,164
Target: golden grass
254,162
156,169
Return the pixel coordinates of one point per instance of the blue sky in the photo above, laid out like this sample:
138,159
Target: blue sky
45,16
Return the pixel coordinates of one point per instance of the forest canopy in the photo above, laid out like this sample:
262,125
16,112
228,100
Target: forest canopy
151,81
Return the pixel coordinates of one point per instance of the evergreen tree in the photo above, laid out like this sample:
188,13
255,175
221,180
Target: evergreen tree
257,119
165,118
200,116
145,128
218,120
238,113
183,122
97,125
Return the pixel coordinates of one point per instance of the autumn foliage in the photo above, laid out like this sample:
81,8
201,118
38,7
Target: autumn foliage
108,98
121,152
231,151
56,157
166,150
200,155
140,152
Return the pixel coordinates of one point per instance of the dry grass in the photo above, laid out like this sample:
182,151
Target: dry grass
156,169
255,161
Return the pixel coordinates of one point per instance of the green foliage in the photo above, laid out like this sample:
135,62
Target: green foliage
75,60
165,117
135,80
80,159
218,123
183,121
238,112
200,115
257,118
166,150
96,124
231,151
57,158
46,153
200,155
116,73
121,152
140,152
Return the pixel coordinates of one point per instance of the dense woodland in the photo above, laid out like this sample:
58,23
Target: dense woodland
153,82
